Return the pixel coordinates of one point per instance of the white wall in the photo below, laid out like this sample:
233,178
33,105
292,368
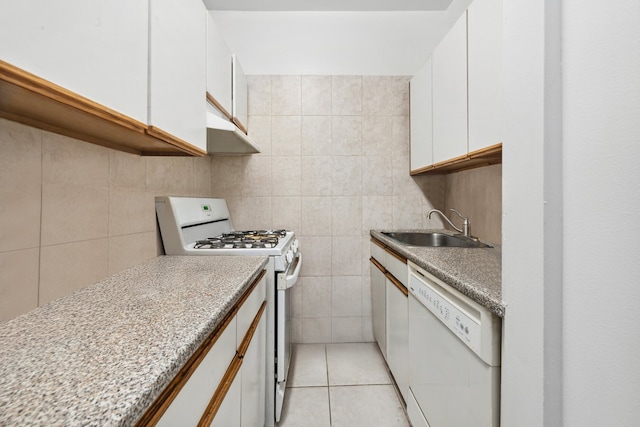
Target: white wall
602,205
572,146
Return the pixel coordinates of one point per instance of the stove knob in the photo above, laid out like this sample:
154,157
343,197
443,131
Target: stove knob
289,256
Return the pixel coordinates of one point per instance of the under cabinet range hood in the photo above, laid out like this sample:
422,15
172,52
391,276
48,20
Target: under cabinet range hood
224,137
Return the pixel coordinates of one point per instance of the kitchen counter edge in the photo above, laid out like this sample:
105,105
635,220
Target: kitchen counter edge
475,272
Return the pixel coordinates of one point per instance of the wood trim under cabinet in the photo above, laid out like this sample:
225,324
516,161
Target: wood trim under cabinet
398,284
240,126
231,373
396,255
484,157
378,265
213,101
378,243
34,101
155,412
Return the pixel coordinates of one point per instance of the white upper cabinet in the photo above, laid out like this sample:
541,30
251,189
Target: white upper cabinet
219,69
485,73
94,48
450,94
421,118
177,69
240,96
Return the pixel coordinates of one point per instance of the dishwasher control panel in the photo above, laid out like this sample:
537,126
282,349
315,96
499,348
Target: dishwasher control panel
461,323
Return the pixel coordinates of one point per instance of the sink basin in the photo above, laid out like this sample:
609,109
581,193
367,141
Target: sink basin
427,239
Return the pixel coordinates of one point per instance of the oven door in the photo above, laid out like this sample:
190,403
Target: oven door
285,281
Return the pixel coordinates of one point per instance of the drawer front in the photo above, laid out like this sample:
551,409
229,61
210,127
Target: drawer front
249,308
191,402
397,267
377,252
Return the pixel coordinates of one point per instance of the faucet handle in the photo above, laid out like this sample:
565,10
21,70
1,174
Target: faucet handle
466,225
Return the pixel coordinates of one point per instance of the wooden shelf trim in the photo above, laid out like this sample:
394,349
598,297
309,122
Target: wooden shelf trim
378,265
155,412
398,284
213,101
487,156
34,101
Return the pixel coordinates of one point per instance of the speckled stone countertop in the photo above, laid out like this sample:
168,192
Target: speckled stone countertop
100,356
475,272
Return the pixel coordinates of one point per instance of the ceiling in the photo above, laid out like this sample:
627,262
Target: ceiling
333,37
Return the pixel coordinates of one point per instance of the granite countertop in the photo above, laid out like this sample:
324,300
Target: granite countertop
475,272
102,355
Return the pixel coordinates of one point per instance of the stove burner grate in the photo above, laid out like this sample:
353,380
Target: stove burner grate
242,240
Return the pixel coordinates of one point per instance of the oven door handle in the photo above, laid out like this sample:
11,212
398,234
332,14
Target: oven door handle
288,280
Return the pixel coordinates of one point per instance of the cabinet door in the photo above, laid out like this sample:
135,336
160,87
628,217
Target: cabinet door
398,336
254,378
219,68
378,307
191,402
228,414
90,47
177,63
450,94
240,96
421,118
485,73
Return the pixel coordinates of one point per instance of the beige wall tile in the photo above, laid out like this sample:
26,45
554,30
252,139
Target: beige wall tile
69,267
367,329
286,95
251,213
127,171
286,135
69,161
18,282
259,88
130,250
346,95
169,176
400,136
71,213
316,175
346,216
346,135
315,216
346,256
346,329
287,176
346,176
377,213
377,176
131,212
407,212
346,296
316,95
260,132
377,134
316,330
477,194
366,295
377,95
258,176
316,136
403,183
400,103
201,177
287,212
317,255
316,296
227,176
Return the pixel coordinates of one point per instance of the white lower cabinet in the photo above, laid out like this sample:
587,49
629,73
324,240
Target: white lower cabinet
232,358
390,311
398,336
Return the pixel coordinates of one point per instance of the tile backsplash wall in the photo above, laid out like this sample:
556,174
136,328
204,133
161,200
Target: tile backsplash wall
334,164
73,213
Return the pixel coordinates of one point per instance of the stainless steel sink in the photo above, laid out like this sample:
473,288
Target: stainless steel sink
427,239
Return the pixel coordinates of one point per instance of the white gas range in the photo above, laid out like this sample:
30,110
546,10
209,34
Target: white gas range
202,226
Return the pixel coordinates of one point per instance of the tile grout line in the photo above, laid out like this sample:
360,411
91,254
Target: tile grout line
326,361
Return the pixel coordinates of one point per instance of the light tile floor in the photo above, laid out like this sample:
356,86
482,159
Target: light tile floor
340,385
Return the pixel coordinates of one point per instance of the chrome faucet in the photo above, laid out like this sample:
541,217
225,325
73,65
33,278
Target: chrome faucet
466,225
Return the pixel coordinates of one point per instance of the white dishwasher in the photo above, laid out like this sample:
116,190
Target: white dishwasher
454,357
